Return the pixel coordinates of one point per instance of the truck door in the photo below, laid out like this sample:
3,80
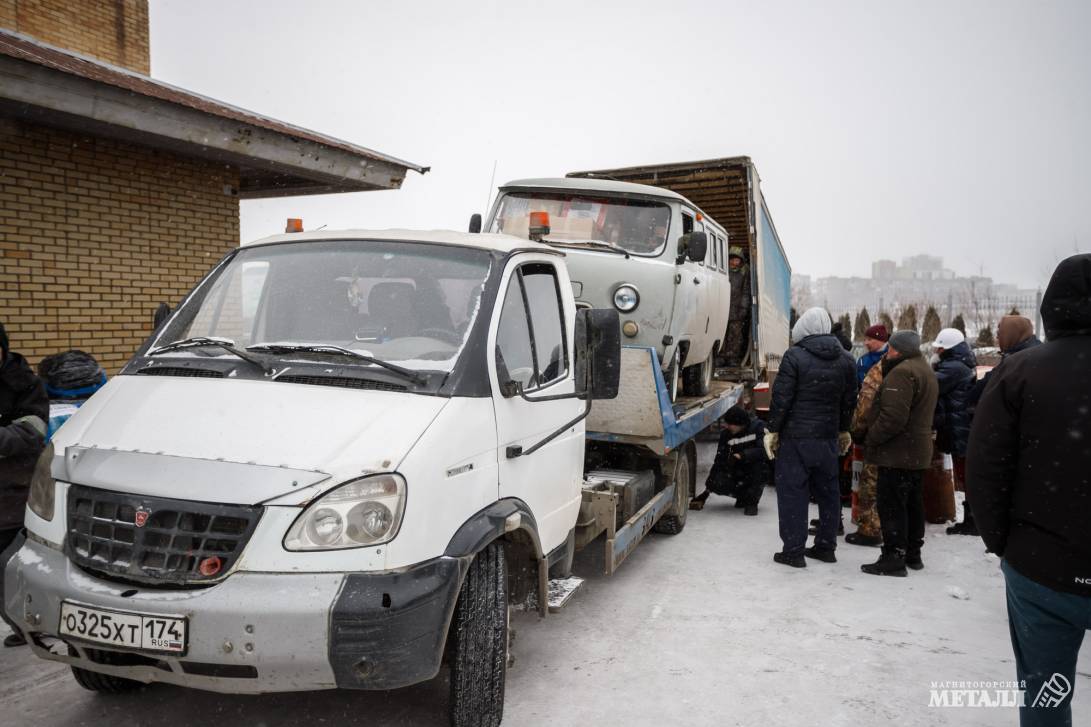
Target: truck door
693,293
531,343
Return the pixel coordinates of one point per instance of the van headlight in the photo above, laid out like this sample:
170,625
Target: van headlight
43,489
359,513
626,298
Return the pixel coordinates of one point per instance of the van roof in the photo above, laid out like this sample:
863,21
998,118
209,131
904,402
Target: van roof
484,241
596,185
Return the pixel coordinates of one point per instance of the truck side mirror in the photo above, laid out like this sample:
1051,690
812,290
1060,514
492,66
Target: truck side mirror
475,222
598,353
162,313
697,247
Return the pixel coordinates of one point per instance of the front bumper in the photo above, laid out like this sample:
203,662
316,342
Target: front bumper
253,632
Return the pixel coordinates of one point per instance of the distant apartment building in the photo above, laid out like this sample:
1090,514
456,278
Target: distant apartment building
920,280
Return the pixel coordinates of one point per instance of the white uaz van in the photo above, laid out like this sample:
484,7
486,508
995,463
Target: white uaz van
637,249
335,465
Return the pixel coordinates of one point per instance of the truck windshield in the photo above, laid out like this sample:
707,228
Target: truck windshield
402,302
634,225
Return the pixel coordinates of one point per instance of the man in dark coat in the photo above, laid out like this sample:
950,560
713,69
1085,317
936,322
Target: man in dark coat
956,372
813,398
899,443
742,468
24,411
1029,478
738,273
1014,335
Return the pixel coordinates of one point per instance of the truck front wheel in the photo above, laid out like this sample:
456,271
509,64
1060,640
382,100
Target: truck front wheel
684,480
697,380
105,683
479,634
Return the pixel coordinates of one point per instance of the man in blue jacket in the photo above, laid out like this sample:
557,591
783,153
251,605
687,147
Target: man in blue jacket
875,338
813,398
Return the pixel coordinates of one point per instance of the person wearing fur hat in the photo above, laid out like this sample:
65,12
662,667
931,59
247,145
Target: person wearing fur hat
24,411
899,443
742,468
813,398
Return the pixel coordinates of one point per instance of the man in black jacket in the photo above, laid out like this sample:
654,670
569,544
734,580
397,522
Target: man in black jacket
741,469
24,411
1028,475
813,398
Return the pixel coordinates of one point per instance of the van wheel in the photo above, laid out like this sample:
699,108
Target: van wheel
697,380
670,376
675,519
479,634
105,683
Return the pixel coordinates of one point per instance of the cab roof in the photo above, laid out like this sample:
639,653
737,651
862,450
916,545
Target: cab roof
607,186
483,240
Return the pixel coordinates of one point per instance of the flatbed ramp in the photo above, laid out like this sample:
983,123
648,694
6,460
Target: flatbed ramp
643,415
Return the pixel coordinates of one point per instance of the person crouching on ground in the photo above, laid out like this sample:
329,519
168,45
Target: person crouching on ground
742,468
813,397
899,442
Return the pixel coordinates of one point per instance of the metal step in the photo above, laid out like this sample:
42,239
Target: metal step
561,591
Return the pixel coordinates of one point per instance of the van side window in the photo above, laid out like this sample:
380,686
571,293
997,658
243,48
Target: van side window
530,341
687,223
723,261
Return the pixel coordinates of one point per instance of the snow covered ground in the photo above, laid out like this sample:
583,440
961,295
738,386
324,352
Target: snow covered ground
697,629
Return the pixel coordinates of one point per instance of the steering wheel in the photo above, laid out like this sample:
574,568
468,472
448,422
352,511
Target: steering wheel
441,334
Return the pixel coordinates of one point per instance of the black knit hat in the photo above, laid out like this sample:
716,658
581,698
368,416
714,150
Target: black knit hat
736,415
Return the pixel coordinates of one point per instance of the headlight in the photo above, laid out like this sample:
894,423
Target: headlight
626,299
43,490
359,513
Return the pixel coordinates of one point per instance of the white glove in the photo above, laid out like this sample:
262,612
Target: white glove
844,443
771,442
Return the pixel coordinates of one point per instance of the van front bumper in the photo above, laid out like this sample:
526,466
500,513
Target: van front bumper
253,632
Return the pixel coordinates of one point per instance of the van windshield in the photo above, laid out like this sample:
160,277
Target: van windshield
634,225
407,303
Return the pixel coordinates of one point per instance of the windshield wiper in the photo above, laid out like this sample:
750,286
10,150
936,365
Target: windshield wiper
330,348
223,343
596,244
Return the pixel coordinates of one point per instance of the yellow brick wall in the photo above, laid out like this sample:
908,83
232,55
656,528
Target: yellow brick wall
94,233
115,31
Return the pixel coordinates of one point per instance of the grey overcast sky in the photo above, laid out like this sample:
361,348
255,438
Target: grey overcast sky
880,129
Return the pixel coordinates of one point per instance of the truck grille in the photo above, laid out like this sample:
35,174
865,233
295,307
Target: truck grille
155,540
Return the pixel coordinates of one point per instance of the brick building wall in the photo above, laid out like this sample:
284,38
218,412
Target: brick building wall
115,31
94,233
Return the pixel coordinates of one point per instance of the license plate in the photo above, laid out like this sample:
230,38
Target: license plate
162,634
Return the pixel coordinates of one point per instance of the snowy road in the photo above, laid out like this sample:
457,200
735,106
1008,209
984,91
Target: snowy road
697,629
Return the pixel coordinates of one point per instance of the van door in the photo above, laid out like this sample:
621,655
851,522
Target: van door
531,344
696,286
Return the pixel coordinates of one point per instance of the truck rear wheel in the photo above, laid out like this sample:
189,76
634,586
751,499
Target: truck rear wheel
697,380
675,519
479,633
105,683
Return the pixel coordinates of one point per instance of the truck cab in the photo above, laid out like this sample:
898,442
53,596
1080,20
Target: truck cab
336,465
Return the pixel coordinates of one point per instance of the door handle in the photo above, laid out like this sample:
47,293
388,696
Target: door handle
696,281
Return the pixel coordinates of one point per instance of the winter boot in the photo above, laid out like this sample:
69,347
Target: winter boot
823,554
751,510
913,560
966,527
871,541
796,561
890,563
739,504
698,502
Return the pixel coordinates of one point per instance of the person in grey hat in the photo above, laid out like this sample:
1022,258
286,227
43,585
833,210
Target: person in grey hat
899,441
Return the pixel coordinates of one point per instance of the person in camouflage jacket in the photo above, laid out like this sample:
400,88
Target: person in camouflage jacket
868,531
